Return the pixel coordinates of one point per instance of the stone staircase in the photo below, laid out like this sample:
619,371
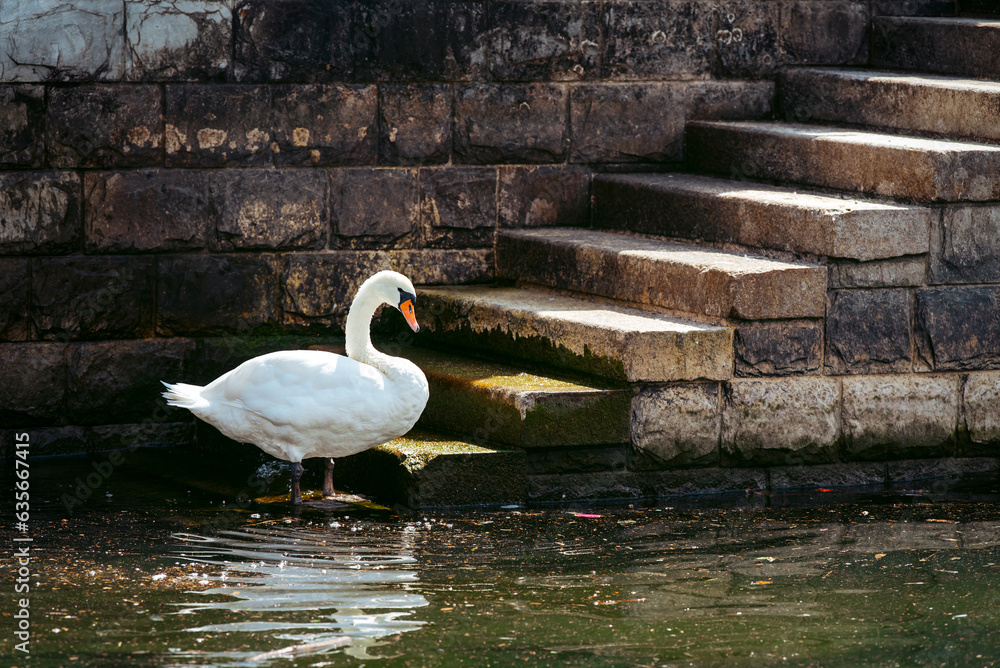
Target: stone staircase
687,338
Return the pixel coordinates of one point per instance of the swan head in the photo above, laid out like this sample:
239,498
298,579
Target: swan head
390,287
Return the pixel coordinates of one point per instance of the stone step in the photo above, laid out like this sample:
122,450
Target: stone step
483,401
488,402
423,469
693,206
854,160
892,100
574,332
960,46
669,274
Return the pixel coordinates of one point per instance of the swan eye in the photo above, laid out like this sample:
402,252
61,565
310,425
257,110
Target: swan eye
406,307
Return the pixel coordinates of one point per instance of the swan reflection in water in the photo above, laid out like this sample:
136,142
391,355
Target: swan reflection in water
309,590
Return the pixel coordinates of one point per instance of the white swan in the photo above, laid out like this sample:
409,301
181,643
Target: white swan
306,403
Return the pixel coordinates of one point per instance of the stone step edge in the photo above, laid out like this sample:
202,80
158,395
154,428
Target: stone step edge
687,277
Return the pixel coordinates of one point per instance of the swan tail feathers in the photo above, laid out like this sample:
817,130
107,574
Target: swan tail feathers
183,395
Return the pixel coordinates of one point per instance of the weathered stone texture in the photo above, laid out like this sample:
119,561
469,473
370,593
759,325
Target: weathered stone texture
547,41
892,273
406,41
268,209
147,210
89,48
824,33
324,124
966,247
786,421
414,124
22,116
104,125
459,206
39,212
839,475
32,383
217,126
374,207
318,287
677,425
15,289
746,39
657,40
92,297
544,196
214,294
868,331
177,40
498,123
782,348
119,381
958,328
293,40
576,460
899,416
444,267
981,406
154,434
959,46
730,99
610,122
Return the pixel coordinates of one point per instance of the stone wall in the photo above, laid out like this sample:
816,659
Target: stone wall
185,182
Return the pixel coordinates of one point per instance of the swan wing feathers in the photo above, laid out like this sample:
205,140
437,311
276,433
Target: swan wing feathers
302,387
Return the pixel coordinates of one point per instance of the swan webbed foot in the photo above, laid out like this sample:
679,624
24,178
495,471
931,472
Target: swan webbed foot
328,478
297,470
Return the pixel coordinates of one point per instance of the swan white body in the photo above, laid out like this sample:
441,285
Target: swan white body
297,404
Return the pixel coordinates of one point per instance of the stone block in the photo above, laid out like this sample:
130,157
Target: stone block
22,117
544,196
153,434
746,39
544,41
900,473
781,348
962,46
499,123
293,40
656,40
171,40
374,208
564,487
419,41
825,33
459,206
897,416
575,460
15,291
102,125
958,328
730,99
840,475
47,441
269,209
214,294
705,481
898,272
40,212
32,384
786,421
324,124
119,381
918,7
868,331
218,126
54,40
431,266
318,287
92,297
147,210
966,246
414,124
610,122
676,425
981,406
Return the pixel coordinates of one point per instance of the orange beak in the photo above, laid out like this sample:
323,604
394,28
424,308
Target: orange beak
407,309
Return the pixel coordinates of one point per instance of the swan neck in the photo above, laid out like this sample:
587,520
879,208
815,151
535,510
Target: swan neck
358,327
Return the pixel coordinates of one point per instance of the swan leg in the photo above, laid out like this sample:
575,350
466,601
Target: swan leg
328,478
297,470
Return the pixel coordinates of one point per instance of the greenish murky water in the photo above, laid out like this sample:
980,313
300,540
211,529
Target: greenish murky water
151,570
